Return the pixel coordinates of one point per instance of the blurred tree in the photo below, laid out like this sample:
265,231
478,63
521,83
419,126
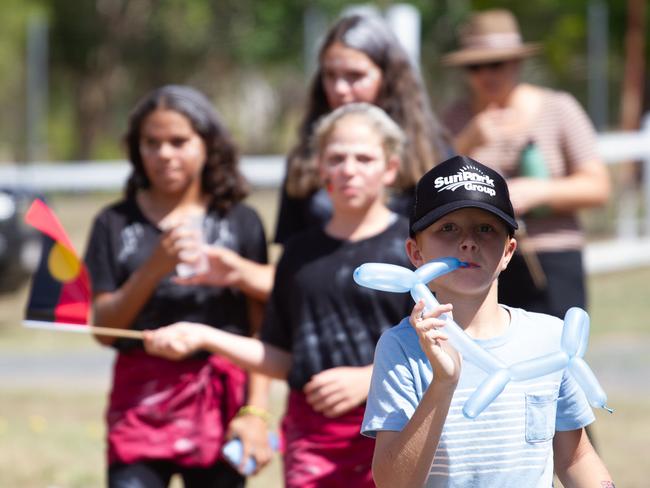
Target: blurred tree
247,55
14,15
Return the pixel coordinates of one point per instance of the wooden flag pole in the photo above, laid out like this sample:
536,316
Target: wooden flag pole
84,329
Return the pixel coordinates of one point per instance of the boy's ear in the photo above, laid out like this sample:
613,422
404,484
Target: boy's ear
392,167
511,246
413,252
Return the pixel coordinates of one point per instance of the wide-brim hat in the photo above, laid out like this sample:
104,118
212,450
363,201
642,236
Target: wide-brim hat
490,36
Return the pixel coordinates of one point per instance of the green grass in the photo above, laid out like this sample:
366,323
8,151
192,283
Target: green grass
52,439
56,439
619,302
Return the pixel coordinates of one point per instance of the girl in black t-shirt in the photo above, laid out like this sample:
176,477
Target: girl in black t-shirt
166,417
320,329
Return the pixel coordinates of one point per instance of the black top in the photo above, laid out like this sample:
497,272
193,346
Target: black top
122,239
298,214
319,314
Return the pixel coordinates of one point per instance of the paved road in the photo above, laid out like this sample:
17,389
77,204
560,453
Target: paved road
78,369
622,365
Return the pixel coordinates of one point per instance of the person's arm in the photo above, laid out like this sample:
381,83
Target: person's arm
586,181
182,339
486,127
119,308
404,458
576,462
250,425
587,186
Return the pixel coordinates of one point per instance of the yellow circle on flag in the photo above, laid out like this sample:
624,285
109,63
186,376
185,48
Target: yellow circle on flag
63,264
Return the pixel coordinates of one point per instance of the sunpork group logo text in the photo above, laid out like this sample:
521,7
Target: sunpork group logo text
469,177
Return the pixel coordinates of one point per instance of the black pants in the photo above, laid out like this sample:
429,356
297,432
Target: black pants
157,474
565,284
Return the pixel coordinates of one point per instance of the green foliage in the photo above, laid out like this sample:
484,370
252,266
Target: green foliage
15,15
106,54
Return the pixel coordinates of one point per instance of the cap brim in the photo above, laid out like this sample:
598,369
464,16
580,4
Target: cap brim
488,55
430,217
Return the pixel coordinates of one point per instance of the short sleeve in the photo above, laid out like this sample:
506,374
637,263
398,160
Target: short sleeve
276,329
289,217
298,214
578,135
393,395
573,409
254,246
99,257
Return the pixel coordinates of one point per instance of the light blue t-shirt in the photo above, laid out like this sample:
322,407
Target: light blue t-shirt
510,444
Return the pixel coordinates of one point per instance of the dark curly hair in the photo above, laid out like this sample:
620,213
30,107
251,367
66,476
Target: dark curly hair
221,178
402,96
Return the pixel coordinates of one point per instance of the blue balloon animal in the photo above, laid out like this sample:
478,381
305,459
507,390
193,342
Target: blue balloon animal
575,335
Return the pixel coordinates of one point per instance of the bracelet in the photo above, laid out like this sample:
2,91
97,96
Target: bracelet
256,411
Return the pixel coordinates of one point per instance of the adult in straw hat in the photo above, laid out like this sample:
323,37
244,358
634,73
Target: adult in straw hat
542,141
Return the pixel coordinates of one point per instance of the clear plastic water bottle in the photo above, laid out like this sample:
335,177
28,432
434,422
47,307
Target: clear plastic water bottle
233,451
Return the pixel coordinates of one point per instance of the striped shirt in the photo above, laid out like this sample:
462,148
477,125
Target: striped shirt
510,444
566,139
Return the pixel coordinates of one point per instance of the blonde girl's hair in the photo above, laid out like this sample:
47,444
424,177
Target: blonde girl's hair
392,136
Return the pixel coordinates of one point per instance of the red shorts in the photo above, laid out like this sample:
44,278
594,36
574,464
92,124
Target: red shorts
321,452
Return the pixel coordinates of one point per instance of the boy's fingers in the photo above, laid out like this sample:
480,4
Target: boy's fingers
443,308
436,335
416,313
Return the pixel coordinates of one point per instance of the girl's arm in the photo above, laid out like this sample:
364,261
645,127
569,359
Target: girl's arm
179,340
576,462
250,425
588,186
404,458
119,308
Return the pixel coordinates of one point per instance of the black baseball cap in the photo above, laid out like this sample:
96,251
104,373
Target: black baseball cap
456,183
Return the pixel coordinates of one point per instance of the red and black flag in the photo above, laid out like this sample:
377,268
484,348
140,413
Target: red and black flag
61,286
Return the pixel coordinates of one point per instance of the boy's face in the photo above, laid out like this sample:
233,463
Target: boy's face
353,164
472,235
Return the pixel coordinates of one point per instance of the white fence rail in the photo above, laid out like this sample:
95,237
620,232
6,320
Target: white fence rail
630,248
82,176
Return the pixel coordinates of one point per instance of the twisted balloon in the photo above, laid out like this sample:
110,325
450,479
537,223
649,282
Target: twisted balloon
575,336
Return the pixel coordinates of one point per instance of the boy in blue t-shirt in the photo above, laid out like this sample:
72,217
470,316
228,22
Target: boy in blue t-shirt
414,409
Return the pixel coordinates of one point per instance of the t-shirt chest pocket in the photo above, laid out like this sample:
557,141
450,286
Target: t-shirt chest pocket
540,417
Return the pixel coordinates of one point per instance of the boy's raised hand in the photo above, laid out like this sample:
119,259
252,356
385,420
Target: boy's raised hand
444,359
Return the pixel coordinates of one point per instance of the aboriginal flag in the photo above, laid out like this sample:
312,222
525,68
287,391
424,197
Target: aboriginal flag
61,286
